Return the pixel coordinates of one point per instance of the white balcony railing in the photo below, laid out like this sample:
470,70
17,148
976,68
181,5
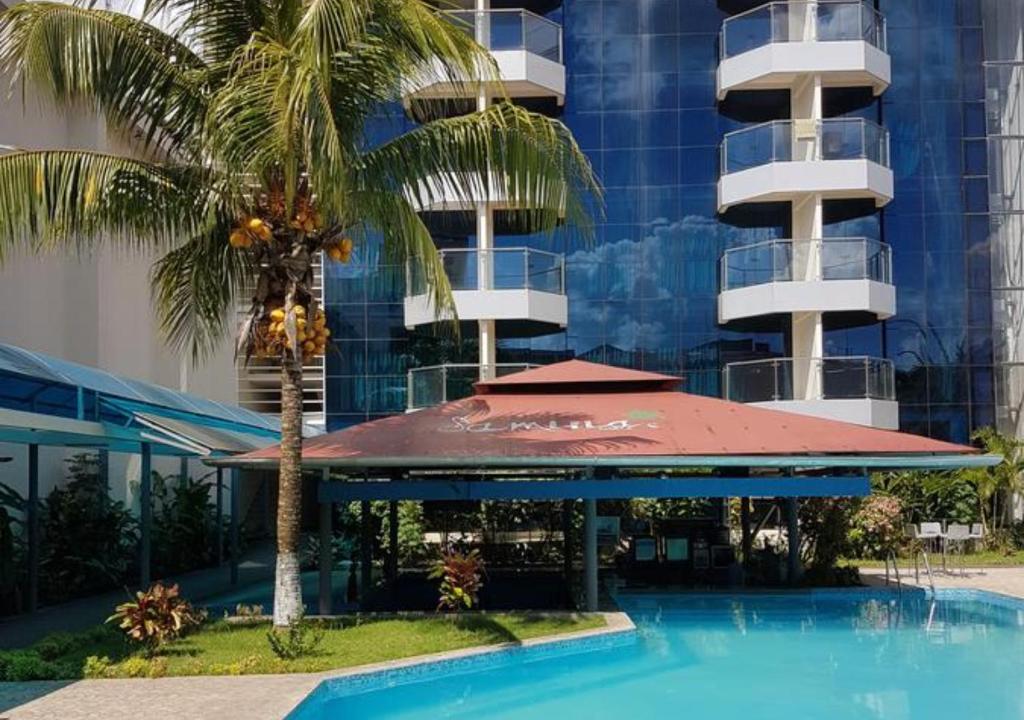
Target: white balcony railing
803,140
778,261
802,21
831,378
497,269
429,386
512,29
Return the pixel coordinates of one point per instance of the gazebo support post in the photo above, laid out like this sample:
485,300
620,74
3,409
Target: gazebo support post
590,552
365,552
326,553
567,544
145,513
220,517
32,518
393,541
793,539
236,512
747,541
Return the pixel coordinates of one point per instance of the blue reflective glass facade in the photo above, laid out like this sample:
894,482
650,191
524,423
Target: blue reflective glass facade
640,99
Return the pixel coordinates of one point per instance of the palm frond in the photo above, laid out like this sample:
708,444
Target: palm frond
407,241
142,79
216,28
64,198
195,287
504,152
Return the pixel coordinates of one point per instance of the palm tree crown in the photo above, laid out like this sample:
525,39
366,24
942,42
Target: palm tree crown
246,122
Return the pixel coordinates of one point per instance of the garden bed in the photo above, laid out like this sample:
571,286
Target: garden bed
232,648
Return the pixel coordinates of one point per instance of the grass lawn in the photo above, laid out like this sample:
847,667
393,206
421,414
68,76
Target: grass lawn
221,648
985,558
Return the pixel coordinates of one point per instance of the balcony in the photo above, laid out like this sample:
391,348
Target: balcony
526,47
464,193
859,390
776,46
521,288
790,276
787,159
429,386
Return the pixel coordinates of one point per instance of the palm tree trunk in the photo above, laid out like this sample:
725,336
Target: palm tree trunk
288,590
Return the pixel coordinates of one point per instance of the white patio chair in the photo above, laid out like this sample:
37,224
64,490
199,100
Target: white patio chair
932,535
957,535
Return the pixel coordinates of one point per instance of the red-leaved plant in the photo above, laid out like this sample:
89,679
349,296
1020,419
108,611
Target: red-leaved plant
156,616
461,576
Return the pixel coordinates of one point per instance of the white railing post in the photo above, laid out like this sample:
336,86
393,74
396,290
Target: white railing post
526,269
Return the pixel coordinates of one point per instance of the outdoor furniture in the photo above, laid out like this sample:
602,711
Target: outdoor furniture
977,532
957,535
931,534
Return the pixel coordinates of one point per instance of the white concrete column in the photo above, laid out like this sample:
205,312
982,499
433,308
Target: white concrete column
485,224
590,552
807,330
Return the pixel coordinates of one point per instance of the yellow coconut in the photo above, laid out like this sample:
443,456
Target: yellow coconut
238,239
277,315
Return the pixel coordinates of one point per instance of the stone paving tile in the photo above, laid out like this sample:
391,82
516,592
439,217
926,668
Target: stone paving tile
1005,580
249,697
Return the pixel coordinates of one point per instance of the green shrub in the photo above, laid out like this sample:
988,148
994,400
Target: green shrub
25,665
299,639
56,645
877,527
96,668
133,667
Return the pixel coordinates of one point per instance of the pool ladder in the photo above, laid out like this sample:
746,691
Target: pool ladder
920,554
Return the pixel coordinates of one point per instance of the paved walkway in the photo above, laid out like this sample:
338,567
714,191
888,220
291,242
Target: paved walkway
22,630
253,697
1005,580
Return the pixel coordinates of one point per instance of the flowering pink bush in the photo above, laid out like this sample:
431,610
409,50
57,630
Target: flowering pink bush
877,527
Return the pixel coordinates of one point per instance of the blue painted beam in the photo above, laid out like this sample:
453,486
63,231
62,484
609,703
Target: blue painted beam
622,488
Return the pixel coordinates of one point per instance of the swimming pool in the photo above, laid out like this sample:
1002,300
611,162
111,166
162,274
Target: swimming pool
826,654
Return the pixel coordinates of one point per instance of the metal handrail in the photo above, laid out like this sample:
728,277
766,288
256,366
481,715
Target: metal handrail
526,15
444,370
920,552
486,268
896,568
790,139
878,38
883,250
882,389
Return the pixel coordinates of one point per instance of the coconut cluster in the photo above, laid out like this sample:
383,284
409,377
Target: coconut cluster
311,333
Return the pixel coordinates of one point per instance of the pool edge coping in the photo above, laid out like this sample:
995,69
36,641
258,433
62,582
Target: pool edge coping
615,623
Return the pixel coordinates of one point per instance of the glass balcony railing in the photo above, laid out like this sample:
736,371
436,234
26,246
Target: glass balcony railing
429,386
815,140
512,29
776,261
802,21
832,378
497,269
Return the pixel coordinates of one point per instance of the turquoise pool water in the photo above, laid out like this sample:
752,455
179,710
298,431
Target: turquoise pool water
771,657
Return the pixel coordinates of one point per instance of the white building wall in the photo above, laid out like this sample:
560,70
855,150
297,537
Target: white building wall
93,309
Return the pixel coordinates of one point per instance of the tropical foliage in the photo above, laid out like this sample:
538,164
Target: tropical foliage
299,639
155,616
88,542
876,528
461,576
184,524
246,126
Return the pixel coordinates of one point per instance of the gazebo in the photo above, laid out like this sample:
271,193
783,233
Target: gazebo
579,430
47,401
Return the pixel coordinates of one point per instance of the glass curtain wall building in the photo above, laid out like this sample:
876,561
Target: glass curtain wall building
797,213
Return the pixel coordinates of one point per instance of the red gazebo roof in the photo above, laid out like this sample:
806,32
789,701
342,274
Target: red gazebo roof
580,413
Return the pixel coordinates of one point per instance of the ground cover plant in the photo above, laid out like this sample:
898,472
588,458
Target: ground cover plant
221,647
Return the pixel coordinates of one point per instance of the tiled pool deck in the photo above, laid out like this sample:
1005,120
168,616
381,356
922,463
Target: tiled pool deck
257,697
271,697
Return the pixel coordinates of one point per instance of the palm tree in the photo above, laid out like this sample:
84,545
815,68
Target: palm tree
248,156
